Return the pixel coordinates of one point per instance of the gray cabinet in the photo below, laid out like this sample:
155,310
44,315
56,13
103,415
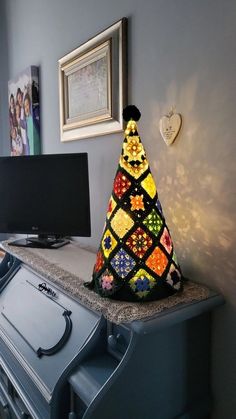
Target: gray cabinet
59,359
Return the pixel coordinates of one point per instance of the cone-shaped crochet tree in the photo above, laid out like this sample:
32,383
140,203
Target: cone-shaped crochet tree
136,260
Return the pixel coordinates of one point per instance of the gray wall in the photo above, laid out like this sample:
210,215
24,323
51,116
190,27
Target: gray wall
181,53
3,78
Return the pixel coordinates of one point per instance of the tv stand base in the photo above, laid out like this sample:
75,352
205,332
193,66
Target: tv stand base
38,242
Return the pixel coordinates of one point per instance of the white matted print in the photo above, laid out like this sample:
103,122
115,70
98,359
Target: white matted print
92,86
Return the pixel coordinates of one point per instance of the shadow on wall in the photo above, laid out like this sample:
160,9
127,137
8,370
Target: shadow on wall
195,181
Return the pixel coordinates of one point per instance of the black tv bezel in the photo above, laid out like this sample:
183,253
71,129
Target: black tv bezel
52,233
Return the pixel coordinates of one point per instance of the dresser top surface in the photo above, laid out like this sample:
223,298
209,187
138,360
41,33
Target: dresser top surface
70,266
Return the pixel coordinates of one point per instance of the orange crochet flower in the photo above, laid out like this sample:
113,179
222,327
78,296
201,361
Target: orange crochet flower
137,203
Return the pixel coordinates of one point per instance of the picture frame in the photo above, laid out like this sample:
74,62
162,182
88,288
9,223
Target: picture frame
92,85
24,113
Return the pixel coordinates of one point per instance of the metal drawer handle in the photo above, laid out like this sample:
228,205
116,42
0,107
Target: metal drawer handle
54,349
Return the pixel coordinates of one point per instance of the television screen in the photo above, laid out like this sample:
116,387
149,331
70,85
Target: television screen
47,195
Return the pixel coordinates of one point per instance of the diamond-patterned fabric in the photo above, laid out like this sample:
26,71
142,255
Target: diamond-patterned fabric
122,263
157,261
133,157
166,240
153,222
136,259
108,243
139,242
141,283
149,186
121,184
121,223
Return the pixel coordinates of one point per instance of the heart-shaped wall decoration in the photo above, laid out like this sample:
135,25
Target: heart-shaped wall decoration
170,126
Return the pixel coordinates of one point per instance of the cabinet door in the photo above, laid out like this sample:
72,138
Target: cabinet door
42,322
44,330
4,408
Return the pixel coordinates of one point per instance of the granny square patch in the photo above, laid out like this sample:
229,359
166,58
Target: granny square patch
122,263
149,186
153,222
139,242
141,283
121,185
157,261
121,223
166,241
108,243
137,203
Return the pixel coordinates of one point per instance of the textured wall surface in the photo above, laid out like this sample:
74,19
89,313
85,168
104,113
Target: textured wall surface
3,78
181,54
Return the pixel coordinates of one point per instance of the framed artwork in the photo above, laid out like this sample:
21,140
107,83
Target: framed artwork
92,85
24,113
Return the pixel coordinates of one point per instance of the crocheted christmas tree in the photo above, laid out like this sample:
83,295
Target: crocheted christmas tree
136,259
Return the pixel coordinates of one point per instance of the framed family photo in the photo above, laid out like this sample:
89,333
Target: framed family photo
24,113
92,87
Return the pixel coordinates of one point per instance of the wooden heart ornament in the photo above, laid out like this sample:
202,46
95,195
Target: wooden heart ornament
170,126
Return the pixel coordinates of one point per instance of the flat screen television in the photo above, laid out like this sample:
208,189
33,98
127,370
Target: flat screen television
45,195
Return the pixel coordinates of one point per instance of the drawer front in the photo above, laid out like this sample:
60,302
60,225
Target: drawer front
44,330
39,320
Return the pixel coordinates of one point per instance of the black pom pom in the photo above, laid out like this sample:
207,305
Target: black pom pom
131,112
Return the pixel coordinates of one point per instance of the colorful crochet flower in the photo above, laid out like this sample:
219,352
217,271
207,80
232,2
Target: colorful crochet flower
153,222
134,147
121,223
166,240
107,282
121,185
133,157
108,243
122,263
142,283
139,242
137,203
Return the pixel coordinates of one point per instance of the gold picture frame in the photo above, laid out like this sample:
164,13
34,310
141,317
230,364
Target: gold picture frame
92,85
